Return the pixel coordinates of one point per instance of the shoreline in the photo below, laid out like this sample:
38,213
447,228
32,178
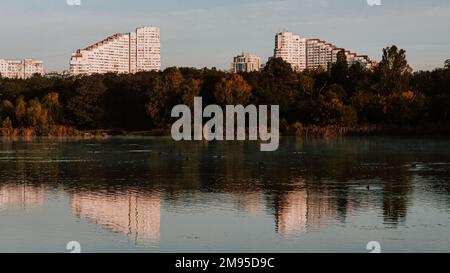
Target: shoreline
296,129
299,130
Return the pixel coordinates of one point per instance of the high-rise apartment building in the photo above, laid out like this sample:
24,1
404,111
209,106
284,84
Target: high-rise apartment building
121,53
246,62
292,49
21,69
304,53
320,53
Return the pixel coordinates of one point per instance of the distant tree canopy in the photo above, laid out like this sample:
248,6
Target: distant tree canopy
447,64
340,95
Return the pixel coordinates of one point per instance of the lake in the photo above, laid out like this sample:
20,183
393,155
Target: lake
145,194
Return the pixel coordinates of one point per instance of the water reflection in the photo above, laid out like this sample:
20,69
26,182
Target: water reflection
303,209
134,214
292,212
21,197
126,186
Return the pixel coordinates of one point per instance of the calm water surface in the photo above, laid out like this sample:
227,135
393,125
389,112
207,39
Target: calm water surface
155,195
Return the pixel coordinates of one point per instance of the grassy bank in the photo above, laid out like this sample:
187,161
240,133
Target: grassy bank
51,131
298,129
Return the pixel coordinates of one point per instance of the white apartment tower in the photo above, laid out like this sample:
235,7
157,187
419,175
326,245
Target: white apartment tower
21,69
304,53
292,49
121,53
246,62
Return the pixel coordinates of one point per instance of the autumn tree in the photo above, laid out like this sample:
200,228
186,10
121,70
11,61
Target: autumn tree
6,109
36,115
53,107
233,90
20,111
189,90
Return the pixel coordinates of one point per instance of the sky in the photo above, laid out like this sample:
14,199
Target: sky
208,33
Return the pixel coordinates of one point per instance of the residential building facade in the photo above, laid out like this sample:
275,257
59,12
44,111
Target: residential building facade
246,62
292,49
121,53
21,69
304,53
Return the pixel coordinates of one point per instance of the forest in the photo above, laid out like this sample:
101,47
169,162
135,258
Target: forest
338,100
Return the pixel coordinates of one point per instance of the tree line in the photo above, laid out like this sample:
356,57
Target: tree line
342,96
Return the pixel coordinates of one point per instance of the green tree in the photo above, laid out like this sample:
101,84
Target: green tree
393,72
371,108
277,67
279,84
336,91
306,85
156,102
447,64
86,107
14,88
406,108
358,78
339,70
163,92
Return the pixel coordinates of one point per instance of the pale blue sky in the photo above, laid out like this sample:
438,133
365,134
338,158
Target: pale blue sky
209,33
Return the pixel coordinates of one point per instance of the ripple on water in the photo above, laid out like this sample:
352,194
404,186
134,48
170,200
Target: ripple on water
139,151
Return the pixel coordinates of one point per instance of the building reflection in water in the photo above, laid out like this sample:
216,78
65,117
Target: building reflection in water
250,202
302,209
21,196
291,216
135,214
